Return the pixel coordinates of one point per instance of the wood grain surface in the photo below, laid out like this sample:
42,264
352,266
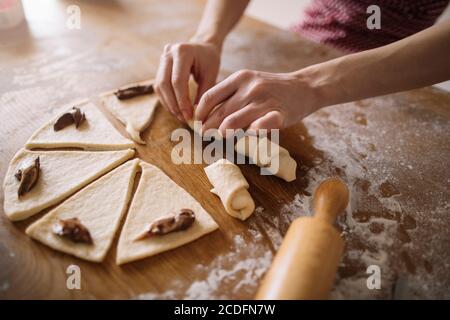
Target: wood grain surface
392,151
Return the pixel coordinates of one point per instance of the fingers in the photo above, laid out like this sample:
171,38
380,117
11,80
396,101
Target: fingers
182,63
271,120
163,84
216,95
242,118
239,102
216,117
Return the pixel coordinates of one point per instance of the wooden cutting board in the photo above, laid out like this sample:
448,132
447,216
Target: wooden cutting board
392,151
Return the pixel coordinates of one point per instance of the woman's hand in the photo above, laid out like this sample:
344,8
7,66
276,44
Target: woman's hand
256,100
178,62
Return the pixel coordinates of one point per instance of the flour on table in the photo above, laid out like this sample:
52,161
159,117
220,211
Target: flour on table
241,277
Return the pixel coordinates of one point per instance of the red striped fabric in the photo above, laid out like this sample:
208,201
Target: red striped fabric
342,23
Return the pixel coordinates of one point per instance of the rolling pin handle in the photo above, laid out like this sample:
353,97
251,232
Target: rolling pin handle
306,263
330,199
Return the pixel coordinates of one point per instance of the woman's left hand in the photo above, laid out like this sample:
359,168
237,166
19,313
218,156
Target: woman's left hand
256,100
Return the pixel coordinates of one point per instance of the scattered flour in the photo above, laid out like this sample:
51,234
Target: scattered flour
239,271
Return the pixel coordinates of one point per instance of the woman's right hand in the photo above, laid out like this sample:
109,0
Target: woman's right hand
177,63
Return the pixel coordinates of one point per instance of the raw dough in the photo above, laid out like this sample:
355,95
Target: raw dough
156,196
263,152
62,173
193,88
99,207
135,113
96,133
230,185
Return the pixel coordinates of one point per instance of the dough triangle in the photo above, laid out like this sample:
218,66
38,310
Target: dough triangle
156,196
62,173
135,113
99,207
96,133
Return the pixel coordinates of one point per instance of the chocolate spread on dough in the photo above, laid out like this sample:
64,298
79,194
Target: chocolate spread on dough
78,117
131,92
73,230
28,175
181,221
63,121
69,118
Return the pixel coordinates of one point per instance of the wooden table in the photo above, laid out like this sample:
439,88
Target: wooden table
392,151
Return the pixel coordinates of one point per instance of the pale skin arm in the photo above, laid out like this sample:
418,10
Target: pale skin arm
200,57
417,61
255,100
218,19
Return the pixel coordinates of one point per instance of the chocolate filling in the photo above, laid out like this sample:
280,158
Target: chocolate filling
78,117
28,176
69,118
131,92
177,222
73,230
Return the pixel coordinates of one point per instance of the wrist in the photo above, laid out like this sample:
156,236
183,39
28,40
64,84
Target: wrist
208,38
322,82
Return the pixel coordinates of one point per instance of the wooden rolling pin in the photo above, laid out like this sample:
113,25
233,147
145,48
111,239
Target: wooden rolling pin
306,263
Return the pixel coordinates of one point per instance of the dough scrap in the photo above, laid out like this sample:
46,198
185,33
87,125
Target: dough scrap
99,207
96,133
230,185
156,196
264,152
135,113
62,173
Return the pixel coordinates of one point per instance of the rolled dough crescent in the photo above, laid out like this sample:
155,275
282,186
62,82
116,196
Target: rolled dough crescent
135,113
99,207
96,133
62,173
265,153
156,196
230,185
